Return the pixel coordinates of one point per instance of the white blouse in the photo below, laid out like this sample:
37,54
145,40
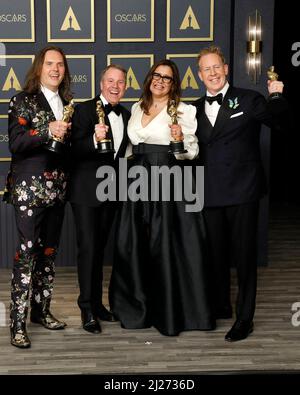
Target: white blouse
158,131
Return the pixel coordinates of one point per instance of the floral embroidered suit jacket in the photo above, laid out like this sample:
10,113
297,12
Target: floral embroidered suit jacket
37,177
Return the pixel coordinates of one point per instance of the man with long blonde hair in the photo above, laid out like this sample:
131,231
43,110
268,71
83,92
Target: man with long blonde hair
36,187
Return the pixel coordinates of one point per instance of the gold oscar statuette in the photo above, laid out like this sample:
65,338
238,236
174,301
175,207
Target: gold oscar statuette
68,111
273,76
172,111
57,144
103,146
176,146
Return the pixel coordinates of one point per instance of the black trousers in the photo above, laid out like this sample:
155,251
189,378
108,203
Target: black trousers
39,230
232,235
92,230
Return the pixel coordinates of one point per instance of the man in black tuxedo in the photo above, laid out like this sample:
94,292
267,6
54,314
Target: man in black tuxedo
36,186
229,122
93,218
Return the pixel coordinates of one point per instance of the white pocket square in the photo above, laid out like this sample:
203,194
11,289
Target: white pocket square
237,114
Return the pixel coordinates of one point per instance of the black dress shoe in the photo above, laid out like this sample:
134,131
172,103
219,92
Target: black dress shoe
18,336
240,330
104,315
46,319
89,323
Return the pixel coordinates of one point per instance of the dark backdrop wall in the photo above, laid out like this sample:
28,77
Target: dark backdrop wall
230,32
285,188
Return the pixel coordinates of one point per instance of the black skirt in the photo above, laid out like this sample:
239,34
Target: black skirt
161,273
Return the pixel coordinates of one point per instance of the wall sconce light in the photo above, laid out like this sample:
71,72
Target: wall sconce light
254,47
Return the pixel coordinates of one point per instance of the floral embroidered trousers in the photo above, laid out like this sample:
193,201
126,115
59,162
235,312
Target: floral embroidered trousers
39,230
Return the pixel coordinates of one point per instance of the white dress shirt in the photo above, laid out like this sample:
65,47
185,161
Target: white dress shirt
211,110
54,101
117,127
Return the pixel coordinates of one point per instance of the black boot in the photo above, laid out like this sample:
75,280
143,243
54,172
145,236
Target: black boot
45,318
18,335
40,314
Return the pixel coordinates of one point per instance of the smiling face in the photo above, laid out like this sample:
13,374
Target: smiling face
53,70
160,87
113,85
212,72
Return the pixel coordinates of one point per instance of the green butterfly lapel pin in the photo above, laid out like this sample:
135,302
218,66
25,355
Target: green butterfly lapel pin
233,103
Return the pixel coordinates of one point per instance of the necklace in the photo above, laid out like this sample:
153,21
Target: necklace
159,104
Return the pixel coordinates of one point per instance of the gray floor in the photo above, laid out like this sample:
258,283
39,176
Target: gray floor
273,347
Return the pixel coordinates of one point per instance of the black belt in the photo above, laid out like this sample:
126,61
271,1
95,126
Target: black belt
143,148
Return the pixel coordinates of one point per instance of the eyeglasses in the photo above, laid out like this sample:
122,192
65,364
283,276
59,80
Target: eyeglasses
165,78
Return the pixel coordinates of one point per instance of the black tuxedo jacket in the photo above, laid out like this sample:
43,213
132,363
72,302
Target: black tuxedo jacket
37,176
85,158
230,151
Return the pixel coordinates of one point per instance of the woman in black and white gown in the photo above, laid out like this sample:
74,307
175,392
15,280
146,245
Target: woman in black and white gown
161,273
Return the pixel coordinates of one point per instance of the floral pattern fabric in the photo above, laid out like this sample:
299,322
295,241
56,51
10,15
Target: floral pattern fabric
37,270
36,186
34,260
37,177
41,190
28,119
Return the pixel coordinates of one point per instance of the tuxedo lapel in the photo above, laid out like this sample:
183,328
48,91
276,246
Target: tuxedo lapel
93,110
124,143
44,105
224,115
109,134
204,129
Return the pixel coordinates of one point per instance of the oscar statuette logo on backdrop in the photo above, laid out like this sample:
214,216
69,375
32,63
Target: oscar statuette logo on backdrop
69,21
190,21
13,75
187,65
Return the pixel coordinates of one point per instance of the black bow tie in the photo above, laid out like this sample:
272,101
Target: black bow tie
108,108
218,98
